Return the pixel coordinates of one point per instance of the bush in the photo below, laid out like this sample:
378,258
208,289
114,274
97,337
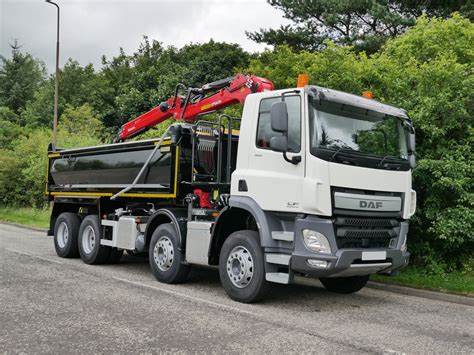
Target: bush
23,155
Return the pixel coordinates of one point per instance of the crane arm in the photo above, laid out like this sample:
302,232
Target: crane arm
210,97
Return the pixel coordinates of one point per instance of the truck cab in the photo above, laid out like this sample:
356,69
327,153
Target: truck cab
327,177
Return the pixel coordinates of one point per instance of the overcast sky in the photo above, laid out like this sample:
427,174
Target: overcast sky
91,28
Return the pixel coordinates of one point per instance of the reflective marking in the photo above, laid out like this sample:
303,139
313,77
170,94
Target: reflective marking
46,259
19,252
188,297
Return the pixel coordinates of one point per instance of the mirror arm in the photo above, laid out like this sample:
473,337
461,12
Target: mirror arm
294,160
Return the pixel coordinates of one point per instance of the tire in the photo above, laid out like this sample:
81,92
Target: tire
89,242
242,268
344,284
66,230
115,256
166,261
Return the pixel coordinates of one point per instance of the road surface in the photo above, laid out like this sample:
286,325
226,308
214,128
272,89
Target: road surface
49,304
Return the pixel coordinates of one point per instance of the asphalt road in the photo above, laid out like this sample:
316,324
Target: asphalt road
49,304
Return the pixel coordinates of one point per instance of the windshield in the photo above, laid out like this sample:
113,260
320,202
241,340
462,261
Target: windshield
351,129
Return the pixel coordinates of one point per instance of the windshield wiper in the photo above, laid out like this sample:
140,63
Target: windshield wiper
333,156
380,164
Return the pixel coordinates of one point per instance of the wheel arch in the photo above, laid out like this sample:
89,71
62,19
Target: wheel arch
175,216
231,219
239,210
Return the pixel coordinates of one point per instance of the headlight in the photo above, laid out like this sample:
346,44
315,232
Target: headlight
316,241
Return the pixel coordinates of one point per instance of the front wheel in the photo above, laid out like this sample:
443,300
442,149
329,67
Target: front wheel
166,260
344,284
241,267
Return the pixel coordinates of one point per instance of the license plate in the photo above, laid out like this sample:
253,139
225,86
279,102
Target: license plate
374,255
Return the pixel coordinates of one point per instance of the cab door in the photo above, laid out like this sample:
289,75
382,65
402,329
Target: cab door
274,183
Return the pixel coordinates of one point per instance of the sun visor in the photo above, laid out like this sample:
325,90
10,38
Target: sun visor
354,100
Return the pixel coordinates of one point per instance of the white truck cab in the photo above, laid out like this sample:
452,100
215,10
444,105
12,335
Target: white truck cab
334,198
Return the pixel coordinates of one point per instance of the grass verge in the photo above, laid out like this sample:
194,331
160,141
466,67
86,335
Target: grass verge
454,282
32,217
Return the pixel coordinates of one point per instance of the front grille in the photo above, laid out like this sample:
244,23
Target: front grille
367,222
367,234
352,232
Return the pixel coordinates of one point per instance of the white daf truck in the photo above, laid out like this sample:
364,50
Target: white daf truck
316,183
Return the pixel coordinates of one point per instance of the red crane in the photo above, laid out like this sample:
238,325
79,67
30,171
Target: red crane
220,94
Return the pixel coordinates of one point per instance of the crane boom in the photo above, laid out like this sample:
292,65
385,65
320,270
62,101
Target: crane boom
210,97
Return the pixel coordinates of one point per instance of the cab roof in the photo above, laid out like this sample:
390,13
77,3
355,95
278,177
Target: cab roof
345,98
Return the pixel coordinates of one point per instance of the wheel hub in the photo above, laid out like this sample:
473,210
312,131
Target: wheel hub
163,253
240,267
88,239
63,235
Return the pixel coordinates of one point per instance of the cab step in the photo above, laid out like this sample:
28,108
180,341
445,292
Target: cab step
280,259
278,277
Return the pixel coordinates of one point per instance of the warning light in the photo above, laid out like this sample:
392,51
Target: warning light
368,94
303,80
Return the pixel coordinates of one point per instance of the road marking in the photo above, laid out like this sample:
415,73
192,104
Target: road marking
192,298
46,259
34,256
19,252
395,352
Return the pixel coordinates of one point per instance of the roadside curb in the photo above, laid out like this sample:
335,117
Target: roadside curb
433,295
23,226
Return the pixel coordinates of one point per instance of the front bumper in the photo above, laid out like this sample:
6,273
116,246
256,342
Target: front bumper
345,262
348,262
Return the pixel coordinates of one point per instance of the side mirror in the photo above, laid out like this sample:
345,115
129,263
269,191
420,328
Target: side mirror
279,144
411,145
279,122
279,117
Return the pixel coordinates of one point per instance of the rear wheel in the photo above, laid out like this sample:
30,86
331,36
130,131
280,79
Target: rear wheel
241,267
166,260
90,249
66,230
344,284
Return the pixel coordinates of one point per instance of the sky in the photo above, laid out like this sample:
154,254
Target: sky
92,28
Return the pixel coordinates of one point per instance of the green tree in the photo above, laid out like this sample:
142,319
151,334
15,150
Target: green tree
79,120
6,114
211,61
20,77
78,85
116,73
364,24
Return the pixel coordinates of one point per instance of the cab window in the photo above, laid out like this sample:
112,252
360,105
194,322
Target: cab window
264,129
